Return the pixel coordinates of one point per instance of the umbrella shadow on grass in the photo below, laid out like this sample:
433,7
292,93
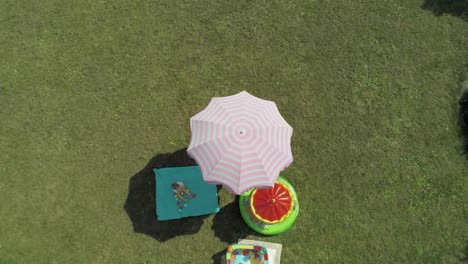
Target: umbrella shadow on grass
463,102
228,224
140,204
219,257
453,7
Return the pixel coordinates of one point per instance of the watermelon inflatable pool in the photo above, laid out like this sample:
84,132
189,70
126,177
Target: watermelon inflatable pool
270,211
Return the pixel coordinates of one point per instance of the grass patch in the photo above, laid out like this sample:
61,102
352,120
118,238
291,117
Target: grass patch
92,93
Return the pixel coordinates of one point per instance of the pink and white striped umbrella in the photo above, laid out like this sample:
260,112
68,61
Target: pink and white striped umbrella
240,141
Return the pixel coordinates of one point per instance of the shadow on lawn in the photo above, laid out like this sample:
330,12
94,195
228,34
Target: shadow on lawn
219,257
228,224
464,117
464,255
454,7
140,204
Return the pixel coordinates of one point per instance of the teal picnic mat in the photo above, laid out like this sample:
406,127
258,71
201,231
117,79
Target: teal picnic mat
168,207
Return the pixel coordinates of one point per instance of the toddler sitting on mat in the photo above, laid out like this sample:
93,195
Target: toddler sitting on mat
179,189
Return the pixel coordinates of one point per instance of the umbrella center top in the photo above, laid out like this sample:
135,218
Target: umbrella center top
242,131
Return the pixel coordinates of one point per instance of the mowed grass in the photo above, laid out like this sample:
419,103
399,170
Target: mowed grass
91,91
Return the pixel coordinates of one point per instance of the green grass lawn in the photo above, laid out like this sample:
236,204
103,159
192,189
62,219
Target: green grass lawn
94,93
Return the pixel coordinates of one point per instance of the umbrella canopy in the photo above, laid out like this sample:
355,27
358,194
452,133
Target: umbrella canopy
240,141
272,205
